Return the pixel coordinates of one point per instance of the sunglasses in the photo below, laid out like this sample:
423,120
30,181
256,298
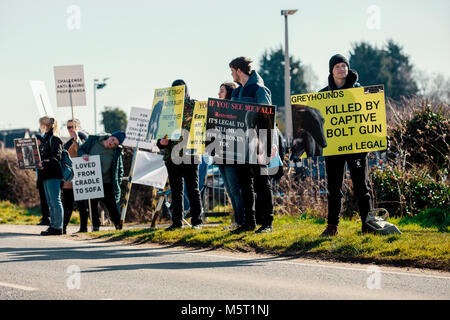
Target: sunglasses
69,127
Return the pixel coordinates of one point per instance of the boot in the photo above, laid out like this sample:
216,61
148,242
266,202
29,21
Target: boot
330,231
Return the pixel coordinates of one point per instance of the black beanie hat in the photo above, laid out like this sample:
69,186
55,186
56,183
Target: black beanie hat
180,82
338,58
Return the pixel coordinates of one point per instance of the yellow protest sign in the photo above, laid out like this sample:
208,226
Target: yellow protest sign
198,127
167,113
339,122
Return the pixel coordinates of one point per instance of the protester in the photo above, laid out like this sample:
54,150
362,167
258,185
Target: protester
253,177
72,145
185,170
342,77
45,211
50,173
229,171
109,148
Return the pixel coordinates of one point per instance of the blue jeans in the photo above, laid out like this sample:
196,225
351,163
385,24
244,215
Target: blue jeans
52,189
231,181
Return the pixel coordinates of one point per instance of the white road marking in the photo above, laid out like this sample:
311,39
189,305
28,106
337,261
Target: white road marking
16,286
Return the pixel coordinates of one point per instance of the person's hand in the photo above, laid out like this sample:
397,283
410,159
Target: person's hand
40,166
274,151
164,141
74,135
86,157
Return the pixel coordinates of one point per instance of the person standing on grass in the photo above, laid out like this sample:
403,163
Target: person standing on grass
50,173
72,145
341,77
229,171
253,177
187,170
109,148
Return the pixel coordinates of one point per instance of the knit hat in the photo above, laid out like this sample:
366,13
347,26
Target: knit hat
338,58
120,135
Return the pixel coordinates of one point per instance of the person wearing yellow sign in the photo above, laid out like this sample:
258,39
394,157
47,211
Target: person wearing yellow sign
342,77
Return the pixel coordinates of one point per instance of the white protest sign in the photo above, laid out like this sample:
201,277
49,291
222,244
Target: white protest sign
150,170
70,87
87,178
41,97
137,128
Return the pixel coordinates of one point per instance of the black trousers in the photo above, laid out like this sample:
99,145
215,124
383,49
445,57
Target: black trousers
109,201
256,191
44,205
188,172
335,168
68,202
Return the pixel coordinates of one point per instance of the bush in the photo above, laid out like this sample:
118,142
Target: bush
408,192
17,186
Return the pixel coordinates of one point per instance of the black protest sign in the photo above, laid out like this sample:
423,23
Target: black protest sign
27,153
239,132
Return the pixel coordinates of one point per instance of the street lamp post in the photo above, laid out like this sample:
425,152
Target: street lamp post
287,79
97,86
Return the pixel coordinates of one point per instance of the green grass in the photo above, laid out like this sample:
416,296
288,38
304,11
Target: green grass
13,214
424,243
418,246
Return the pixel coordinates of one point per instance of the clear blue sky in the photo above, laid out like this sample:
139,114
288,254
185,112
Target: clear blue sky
144,45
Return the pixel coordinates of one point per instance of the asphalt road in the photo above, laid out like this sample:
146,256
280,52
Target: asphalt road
36,267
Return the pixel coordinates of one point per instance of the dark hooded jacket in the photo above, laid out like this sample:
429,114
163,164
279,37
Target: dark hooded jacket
117,165
50,151
254,91
350,82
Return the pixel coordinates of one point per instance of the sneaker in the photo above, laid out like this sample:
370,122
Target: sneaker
264,229
51,232
330,231
173,227
95,229
197,226
81,231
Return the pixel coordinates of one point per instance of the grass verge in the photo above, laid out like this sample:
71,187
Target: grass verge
424,242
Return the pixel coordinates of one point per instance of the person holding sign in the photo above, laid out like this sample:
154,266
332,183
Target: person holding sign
72,145
50,173
109,149
253,177
229,171
187,171
341,77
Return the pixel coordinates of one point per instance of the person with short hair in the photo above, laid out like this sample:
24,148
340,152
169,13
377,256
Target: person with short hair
109,148
50,173
342,77
253,177
77,138
186,171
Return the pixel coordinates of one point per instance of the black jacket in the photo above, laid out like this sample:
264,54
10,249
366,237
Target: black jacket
350,82
50,151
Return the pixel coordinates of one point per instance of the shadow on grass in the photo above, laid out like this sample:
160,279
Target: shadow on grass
430,218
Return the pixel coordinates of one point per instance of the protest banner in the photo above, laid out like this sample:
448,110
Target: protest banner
167,113
339,122
87,178
27,153
41,97
197,131
136,132
150,170
241,131
70,87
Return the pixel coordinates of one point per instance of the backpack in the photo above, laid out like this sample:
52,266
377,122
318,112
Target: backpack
66,166
378,223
